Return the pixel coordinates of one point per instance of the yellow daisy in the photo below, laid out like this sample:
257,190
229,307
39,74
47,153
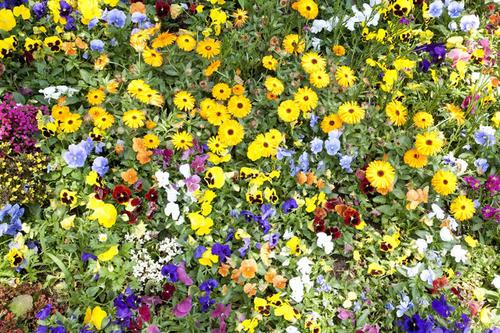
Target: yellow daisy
351,112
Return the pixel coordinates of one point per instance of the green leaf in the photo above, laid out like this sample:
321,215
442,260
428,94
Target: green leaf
61,265
21,305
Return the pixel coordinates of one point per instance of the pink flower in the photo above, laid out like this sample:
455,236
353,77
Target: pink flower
153,329
192,183
458,54
344,314
182,275
183,308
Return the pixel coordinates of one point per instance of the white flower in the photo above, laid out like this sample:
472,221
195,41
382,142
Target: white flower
320,25
162,178
55,92
316,43
437,212
324,241
413,271
287,235
445,234
421,245
172,209
304,266
459,253
496,281
185,170
297,289
460,166
292,329
171,194
428,276
102,237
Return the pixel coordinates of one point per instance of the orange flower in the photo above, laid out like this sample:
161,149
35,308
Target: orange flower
224,270
250,289
150,124
270,275
112,87
119,148
301,178
138,144
129,176
238,89
271,96
279,282
235,275
320,184
137,7
69,48
144,156
265,252
80,44
311,178
248,268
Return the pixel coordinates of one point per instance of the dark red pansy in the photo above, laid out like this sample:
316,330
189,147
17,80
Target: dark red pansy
168,291
152,195
144,312
162,8
121,194
351,217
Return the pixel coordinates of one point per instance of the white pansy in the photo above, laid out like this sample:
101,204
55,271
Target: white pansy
292,329
325,242
445,234
460,166
172,209
316,43
428,276
163,178
171,194
288,234
413,271
421,245
437,212
297,289
185,170
459,253
496,281
304,266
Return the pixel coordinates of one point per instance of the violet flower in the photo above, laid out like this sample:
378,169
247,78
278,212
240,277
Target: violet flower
183,308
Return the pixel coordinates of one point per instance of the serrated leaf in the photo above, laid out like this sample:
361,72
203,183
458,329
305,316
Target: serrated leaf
21,305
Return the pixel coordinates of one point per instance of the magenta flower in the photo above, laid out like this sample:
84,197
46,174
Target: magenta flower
198,163
192,183
183,308
153,329
182,275
344,314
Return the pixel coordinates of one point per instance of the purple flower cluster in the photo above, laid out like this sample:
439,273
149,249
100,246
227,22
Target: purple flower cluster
18,124
262,220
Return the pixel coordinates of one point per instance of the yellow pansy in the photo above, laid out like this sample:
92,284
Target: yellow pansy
104,213
249,325
294,245
68,222
89,9
7,20
95,317
215,177
108,254
200,224
287,311
22,11
470,241
92,178
207,258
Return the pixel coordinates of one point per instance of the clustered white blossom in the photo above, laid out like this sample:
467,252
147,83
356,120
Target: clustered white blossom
55,92
146,268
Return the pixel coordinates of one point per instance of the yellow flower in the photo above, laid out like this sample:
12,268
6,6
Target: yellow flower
208,48
214,65
380,174
351,113
108,254
22,11
294,245
414,159
7,20
186,42
306,8
152,57
444,182
423,119
215,177
200,224
151,141
89,10
92,178
306,99
396,112
429,143
249,325
68,222
319,79
183,100
471,241
269,62
207,258
182,140
221,91
338,50
240,18
239,106
15,257
288,111
293,44
312,62
134,118
231,132
104,213
70,123
375,269
95,317
274,85
330,123
96,96
287,311
345,76
462,208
